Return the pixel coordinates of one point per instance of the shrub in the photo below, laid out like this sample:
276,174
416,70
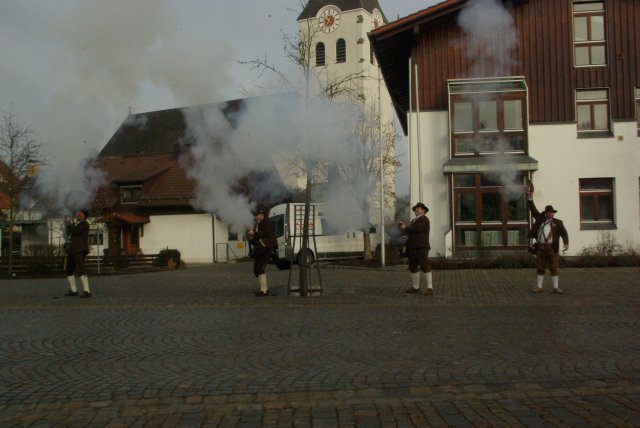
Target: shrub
514,261
43,259
120,262
592,260
165,255
606,245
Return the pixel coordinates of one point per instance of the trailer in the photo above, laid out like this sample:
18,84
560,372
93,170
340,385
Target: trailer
330,237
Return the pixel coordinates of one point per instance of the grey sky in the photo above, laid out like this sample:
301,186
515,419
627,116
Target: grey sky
72,68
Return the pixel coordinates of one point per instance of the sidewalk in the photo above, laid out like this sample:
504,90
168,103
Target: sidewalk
194,347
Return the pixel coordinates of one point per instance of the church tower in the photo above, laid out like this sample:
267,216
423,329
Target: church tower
340,48
340,43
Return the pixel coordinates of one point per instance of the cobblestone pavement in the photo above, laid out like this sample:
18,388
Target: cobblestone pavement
194,347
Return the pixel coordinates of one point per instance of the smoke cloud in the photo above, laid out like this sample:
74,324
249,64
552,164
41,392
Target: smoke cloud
281,129
68,182
108,57
490,37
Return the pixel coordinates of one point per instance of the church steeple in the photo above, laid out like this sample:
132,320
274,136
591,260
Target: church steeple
313,6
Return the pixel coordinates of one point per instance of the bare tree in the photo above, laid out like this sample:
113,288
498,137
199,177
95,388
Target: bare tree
373,148
20,151
320,82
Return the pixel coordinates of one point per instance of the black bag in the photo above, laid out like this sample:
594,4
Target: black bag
404,252
533,249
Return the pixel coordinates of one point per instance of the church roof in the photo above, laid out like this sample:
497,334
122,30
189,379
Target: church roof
158,131
149,150
313,6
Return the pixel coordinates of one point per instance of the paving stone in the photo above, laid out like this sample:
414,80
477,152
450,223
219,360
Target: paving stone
194,347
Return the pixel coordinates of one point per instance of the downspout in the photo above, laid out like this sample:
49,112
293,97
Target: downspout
409,139
213,237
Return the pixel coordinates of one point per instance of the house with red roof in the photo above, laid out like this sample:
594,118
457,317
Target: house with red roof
29,226
147,203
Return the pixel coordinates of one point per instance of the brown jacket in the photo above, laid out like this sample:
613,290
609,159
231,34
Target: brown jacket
264,234
557,228
79,237
418,233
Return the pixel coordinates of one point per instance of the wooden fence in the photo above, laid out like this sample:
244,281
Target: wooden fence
54,264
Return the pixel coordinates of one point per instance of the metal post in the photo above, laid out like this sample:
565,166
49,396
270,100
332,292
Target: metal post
98,249
409,121
418,136
382,237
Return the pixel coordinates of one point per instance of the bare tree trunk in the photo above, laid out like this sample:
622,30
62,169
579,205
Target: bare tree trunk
10,267
366,236
304,260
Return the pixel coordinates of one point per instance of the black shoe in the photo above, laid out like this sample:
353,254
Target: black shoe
262,293
84,295
70,293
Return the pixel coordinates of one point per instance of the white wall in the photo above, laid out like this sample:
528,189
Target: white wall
191,234
563,160
434,151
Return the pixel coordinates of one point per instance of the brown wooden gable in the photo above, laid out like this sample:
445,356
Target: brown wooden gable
151,150
544,55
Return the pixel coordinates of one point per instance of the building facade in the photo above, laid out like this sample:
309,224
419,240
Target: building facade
341,55
545,98
146,204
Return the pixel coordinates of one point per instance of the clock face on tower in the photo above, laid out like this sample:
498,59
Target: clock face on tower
329,19
376,19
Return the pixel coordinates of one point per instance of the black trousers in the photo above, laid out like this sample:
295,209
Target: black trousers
419,257
260,259
74,264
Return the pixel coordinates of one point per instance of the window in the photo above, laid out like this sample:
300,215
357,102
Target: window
278,225
341,51
371,56
96,238
589,33
490,211
135,235
232,235
487,117
592,111
596,203
320,54
130,194
638,109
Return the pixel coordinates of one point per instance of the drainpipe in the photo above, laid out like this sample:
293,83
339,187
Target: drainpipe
213,236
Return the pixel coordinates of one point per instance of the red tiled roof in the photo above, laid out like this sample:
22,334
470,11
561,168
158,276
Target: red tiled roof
127,217
163,179
148,149
4,201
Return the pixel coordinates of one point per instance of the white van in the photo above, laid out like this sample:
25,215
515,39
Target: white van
327,239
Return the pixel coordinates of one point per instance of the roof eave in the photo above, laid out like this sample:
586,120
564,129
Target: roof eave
392,45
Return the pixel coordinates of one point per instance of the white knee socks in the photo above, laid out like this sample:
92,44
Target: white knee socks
72,283
415,280
428,278
85,283
262,280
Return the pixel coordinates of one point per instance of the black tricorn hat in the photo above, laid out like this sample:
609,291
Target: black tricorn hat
550,208
421,205
259,210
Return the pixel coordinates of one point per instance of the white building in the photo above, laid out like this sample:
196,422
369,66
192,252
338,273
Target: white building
549,95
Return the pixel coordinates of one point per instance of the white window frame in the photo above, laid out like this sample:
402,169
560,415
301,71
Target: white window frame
123,189
593,97
595,193
590,43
